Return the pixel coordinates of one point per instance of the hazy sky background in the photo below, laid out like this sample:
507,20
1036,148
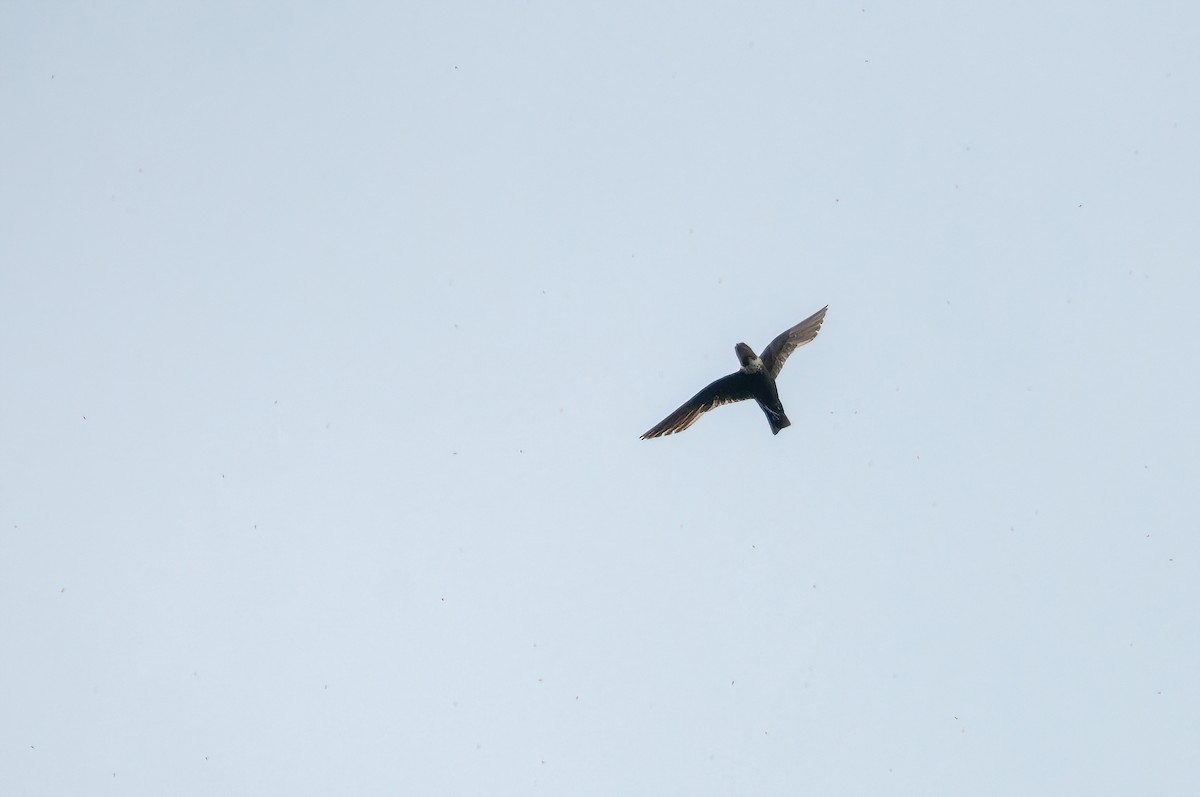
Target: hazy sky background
328,332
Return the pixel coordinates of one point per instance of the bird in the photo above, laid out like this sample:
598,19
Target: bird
754,380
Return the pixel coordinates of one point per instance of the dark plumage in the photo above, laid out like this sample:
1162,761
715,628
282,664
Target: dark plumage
755,379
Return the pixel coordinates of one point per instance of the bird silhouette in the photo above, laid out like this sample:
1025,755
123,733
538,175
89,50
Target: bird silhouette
754,380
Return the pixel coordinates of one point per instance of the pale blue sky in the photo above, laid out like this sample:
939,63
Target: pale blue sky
329,332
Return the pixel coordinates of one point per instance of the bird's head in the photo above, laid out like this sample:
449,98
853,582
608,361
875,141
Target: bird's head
747,358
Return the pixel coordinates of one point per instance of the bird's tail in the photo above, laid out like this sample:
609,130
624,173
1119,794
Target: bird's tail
781,422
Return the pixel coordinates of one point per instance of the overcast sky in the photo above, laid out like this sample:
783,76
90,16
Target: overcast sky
328,332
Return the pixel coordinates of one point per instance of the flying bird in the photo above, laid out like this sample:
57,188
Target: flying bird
755,379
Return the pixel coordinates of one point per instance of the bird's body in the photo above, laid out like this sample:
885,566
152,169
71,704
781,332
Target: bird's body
755,379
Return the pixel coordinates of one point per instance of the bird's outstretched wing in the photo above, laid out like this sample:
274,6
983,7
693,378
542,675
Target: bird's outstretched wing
774,356
738,386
